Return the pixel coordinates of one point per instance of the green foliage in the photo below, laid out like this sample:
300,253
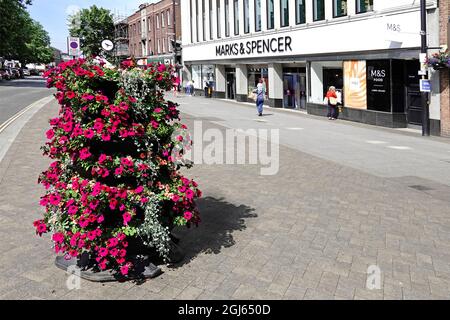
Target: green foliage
22,38
92,26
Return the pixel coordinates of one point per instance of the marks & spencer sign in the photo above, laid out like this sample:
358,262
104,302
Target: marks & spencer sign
252,47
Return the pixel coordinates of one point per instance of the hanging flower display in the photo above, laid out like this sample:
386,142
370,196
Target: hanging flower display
439,60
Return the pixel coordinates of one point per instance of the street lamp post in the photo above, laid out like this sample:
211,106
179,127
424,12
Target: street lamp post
423,50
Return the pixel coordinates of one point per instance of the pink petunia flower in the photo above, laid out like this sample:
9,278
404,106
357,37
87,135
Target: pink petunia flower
58,237
50,134
84,154
103,252
139,189
124,270
126,218
188,215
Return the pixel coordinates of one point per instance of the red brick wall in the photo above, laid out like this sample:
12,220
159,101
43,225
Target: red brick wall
155,34
134,35
444,9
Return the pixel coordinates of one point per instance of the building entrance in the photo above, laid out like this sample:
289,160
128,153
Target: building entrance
294,88
231,83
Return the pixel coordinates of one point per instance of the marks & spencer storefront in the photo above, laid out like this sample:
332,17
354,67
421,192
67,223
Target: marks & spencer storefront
377,75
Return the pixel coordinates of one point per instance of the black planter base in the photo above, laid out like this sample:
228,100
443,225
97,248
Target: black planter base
143,269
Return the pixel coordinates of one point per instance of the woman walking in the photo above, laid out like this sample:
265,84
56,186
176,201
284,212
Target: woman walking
331,99
260,94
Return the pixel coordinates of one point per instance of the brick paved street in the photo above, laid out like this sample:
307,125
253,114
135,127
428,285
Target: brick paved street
309,232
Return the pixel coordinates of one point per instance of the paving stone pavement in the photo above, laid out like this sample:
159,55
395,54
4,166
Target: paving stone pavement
309,232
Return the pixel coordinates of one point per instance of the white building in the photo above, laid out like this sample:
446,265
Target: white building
369,49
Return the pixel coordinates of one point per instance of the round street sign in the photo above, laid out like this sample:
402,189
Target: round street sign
107,45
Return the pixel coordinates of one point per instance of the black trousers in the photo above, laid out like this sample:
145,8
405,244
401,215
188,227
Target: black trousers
332,111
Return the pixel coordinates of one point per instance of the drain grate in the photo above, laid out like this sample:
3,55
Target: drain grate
421,188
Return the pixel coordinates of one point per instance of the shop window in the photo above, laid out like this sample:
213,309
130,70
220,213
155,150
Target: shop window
246,16
364,6
257,15
300,12
219,19
284,12
208,76
253,76
202,75
332,77
270,14
197,76
236,17
318,10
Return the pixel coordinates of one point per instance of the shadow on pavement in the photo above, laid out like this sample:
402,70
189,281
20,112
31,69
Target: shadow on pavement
219,220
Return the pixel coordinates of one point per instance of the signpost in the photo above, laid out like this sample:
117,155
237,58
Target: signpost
73,46
423,51
425,85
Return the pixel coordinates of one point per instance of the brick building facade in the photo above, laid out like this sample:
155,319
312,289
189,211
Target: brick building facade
444,10
152,29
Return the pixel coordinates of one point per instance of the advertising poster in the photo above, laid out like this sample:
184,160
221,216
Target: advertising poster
355,85
379,85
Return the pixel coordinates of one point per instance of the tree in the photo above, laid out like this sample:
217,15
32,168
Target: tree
22,38
92,26
13,21
38,45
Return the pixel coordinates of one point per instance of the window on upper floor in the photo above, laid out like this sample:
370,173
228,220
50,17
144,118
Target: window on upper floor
236,17
300,11
284,13
211,20
219,19
258,15
203,20
190,22
227,18
364,6
149,22
246,16
163,21
168,17
339,8
270,14
157,21
318,10
196,20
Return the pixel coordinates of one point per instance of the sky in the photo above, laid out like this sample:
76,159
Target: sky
52,14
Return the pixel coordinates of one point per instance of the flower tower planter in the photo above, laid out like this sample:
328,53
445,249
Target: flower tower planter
114,191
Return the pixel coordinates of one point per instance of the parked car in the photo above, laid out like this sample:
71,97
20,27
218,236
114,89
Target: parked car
25,72
15,73
5,74
34,72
